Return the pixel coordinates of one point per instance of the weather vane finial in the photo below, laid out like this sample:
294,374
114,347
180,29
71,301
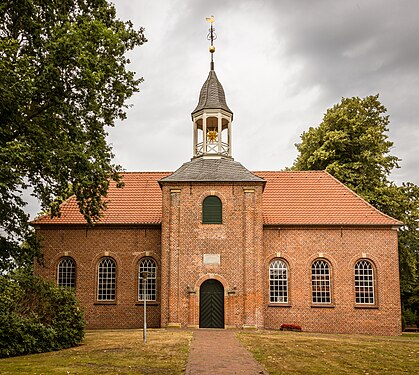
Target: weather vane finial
211,36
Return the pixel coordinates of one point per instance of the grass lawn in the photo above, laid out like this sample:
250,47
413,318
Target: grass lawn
310,353
110,352
123,352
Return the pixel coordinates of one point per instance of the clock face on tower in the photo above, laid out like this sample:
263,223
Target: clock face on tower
212,135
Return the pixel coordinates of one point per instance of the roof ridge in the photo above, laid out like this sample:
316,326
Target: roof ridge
282,171
253,172
132,172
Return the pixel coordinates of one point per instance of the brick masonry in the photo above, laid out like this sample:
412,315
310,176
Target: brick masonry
246,248
238,242
342,248
127,245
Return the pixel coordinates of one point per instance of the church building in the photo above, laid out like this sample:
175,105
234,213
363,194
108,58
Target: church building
214,245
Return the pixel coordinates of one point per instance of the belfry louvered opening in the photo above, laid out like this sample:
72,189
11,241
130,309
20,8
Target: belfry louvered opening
212,210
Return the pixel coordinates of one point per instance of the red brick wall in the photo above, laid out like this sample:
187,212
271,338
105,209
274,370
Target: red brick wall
245,249
238,241
342,248
126,245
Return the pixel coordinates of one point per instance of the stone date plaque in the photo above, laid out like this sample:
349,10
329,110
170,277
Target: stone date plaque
211,258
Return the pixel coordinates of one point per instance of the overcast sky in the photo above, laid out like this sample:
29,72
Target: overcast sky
282,65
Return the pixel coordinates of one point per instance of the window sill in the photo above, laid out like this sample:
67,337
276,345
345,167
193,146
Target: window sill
279,305
149,303
105,303
325,306
373,307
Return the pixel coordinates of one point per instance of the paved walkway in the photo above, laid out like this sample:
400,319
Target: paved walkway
218,352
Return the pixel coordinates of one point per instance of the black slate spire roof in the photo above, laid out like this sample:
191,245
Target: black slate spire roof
212,95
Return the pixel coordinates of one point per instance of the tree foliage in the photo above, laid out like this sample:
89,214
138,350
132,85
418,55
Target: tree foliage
351,144
63,80
37,316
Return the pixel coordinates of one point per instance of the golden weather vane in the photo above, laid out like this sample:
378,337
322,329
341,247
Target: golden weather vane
211,36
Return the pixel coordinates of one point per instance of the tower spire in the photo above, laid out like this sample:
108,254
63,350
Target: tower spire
211,36
212,117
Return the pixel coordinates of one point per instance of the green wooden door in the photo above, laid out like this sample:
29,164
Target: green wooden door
211,304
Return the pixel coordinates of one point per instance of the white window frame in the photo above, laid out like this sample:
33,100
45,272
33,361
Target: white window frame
66,272
321,289
148,265
106,279
364,282
278,281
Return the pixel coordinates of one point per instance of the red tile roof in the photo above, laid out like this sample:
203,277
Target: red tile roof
315,197
138,202
289,198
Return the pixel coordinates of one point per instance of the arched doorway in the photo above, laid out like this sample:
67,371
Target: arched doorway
211,304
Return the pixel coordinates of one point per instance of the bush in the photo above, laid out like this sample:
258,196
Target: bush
37,316
290,327
409,318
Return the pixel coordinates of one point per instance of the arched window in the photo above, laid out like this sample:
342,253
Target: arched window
106,280
212,210
320,282
66,272
147,287
364,282
278,282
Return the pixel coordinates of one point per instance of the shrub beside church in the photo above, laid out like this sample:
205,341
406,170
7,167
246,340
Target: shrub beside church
37,316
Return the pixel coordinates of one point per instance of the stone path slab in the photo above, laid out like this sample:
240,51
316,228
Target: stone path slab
218,352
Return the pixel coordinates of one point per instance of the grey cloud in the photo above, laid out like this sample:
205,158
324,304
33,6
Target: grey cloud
282,64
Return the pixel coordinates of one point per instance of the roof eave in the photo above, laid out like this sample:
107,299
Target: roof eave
337,225
167,182
87,226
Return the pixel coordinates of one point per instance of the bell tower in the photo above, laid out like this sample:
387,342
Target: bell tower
212,226
212,117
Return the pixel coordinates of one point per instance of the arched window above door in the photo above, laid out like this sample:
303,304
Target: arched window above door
212,210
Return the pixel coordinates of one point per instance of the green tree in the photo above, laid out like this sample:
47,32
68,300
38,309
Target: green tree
351,144
63,80
402,202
